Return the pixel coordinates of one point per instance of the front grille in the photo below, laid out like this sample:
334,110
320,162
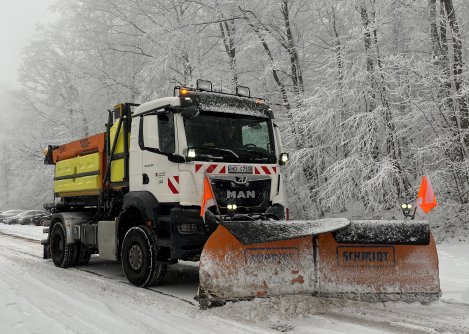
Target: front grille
254,193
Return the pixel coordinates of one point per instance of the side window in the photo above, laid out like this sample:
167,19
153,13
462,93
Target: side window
166,133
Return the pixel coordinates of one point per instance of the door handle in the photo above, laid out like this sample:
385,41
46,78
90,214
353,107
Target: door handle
146,179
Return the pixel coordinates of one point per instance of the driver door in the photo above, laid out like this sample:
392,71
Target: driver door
159,175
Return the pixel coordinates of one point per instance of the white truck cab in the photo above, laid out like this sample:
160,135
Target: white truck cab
238,148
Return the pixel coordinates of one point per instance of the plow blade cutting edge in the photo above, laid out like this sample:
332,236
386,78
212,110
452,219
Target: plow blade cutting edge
371,260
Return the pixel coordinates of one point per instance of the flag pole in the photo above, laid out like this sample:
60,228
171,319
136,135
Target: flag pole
216,202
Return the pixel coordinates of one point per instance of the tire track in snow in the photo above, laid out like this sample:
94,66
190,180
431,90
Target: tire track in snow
83,269
441,316
75,301
119,280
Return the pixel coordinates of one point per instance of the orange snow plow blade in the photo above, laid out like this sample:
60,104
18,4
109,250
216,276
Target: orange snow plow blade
382,260
248,259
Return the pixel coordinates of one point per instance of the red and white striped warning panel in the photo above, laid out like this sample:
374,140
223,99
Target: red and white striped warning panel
265,170
211,168
173,184
225,169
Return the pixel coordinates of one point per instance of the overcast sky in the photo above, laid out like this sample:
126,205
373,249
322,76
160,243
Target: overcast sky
18,19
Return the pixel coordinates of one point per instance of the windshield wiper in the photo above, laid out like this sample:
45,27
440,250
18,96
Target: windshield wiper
261,151
216,149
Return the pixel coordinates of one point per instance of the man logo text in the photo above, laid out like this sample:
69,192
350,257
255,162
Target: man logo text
241,194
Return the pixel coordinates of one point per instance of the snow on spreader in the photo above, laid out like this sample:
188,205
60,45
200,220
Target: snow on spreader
377,260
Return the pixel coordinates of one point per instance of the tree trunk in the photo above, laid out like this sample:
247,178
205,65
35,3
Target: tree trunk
296,75
458,122
371,104
458,65
228,33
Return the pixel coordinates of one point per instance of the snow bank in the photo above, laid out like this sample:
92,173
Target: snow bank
24,231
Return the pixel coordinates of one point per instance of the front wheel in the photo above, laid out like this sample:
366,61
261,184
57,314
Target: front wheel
139,254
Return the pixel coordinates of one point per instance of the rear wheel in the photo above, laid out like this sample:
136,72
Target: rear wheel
62,255
139,254
83,255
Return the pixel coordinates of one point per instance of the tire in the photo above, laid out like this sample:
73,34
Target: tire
138,255
45,252
159,269
62,255
83,255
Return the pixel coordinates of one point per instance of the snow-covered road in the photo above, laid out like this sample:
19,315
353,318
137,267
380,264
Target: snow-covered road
37,297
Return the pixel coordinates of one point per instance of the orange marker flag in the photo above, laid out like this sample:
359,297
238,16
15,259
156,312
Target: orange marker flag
208,197
426,199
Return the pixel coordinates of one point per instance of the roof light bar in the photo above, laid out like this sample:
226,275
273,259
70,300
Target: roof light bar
243,91
204,85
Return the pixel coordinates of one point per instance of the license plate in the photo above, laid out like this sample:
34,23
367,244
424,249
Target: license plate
239,169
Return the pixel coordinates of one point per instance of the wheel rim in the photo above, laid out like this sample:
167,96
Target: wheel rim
135,257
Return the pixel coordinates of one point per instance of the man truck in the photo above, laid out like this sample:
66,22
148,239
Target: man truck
134,193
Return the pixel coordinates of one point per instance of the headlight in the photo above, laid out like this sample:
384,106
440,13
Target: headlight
191,153
283,158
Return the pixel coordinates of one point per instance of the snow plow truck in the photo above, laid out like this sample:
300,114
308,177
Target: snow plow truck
133,194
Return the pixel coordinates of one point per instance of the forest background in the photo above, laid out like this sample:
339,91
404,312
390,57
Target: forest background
370,95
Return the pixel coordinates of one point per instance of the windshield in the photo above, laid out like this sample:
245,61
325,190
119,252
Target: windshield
239,138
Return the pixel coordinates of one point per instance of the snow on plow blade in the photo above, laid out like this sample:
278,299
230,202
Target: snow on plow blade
332,257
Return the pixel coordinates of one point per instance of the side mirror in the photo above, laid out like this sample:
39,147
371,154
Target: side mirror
176,158
190,112
283,158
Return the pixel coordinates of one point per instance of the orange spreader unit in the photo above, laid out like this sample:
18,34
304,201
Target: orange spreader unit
83,146
79,166
377,260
